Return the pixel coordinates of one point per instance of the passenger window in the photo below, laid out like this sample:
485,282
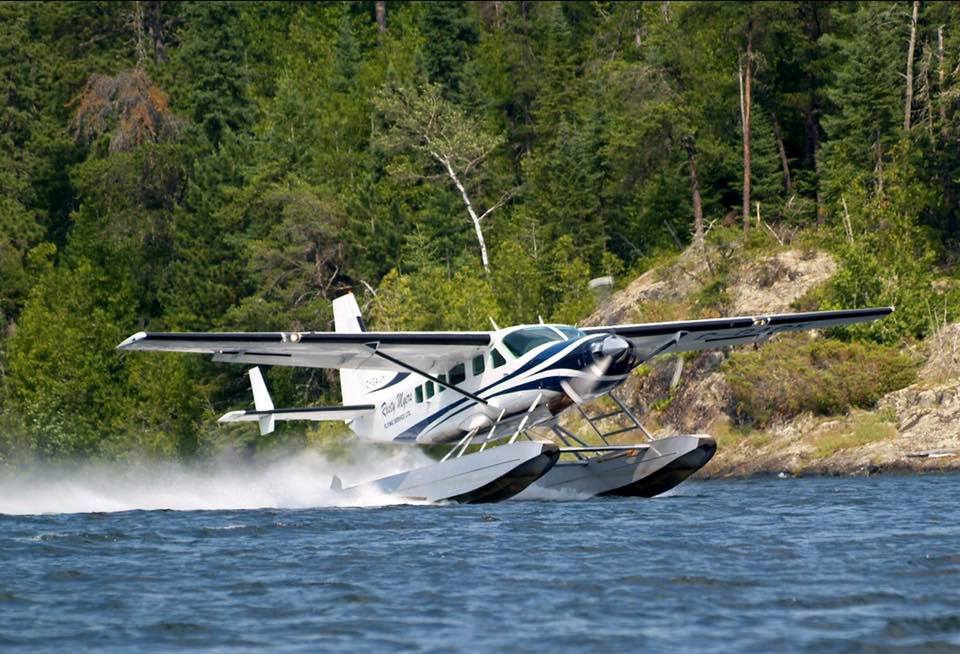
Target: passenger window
418,391
429,389
497,359
478,366
440,387
458,374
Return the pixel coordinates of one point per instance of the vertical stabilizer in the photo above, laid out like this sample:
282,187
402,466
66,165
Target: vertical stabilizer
261,401
347,320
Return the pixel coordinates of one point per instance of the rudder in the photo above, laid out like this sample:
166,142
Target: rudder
347,320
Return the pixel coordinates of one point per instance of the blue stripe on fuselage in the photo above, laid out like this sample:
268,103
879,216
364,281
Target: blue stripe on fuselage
573,359
399,377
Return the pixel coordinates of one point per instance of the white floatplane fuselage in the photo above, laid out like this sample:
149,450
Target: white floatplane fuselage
522,374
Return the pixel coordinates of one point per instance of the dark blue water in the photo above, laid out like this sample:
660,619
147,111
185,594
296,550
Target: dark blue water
819,565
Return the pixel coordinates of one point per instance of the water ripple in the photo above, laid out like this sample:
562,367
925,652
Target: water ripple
819,565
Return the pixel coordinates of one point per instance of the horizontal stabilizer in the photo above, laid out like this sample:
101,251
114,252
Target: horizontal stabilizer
332,413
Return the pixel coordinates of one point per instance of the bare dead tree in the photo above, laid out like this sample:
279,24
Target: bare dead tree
908,101
746,78
941,77
139,36
787,180
924,97
128,105
821,205
690,147
149,30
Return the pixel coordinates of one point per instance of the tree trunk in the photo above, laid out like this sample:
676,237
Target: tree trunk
941,74
140,40
821,206
695,193
745,101
470,210
787,181
156,29
908,101
381,12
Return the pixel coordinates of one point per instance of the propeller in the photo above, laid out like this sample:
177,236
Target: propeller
611,356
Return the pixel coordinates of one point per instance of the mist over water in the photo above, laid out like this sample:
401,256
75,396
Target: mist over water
293,481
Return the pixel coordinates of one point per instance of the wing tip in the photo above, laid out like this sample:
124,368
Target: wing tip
129,342
232,416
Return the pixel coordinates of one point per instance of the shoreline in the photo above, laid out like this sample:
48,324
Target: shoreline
914,466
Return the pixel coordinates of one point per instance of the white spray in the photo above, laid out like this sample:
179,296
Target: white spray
298,480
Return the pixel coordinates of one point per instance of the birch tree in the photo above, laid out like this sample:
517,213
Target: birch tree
450,142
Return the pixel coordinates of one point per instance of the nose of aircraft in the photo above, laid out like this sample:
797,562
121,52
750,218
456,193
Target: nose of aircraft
614,347
618,353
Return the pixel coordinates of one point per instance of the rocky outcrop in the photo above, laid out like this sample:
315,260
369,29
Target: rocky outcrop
670,284
915,428
772,284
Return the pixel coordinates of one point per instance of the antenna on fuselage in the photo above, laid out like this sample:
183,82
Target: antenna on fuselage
493,322
540,318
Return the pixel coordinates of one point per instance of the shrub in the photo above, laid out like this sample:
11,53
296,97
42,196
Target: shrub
791,376
865,428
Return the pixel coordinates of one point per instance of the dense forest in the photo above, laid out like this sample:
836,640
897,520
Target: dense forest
235,165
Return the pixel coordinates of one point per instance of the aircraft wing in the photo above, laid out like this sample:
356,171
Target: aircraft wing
428,351
651,339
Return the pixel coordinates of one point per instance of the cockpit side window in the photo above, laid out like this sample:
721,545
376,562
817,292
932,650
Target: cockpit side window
497,358
523,340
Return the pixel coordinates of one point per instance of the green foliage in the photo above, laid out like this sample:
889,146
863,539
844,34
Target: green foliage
214,74
858,431
251,161
434,300
449,32
888,259
826,377
65,378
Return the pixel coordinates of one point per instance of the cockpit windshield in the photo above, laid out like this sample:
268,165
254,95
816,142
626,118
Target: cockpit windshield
570,333
523,340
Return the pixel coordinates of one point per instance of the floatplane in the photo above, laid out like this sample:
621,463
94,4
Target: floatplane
495,390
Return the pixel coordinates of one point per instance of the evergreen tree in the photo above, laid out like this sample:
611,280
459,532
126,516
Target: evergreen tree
449,33
214,79
867,96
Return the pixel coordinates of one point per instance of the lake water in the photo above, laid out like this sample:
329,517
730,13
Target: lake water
813,564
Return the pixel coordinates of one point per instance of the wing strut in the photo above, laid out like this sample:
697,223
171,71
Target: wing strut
436,380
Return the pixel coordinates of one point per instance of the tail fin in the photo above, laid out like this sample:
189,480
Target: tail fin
261,400
347,320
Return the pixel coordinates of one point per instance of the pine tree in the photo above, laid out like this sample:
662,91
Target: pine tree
214,78
868,113
449,33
